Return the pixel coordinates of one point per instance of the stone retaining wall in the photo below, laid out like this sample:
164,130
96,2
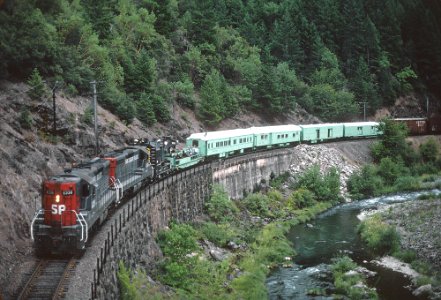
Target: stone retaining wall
180,197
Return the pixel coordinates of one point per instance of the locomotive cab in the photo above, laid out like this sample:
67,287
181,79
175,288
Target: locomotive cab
59,225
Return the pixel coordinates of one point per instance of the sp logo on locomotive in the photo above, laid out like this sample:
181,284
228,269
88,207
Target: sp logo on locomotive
58,209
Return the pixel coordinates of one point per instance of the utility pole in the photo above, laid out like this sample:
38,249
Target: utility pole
93,83
55,113
364,110
427,106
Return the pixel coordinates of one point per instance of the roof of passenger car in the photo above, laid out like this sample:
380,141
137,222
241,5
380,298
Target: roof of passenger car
279,128
222,134
322,125
361,124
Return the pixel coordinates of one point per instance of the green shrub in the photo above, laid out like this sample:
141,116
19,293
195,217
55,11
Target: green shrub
343,264
220,208
408,256
270,247
176,274
429,151
219,234
421,267
87,116
393,141
25,119
429,178
300,198
424,280
128,290
325,187
380,237
344,284
277,181
425,168
365,183
390,170
407,183
257,204
71,90
429,196
177,242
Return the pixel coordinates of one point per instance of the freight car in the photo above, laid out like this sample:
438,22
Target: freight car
75,202
421,126
415,126
434,125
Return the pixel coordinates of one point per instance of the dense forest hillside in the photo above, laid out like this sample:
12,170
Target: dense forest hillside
219,57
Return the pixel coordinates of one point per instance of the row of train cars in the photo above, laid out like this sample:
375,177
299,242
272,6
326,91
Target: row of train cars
77,201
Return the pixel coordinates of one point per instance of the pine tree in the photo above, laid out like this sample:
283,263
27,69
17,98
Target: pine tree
211,109
145,110
162,112
38,89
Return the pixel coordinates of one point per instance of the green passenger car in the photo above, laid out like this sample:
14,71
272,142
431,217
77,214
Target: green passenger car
316,133
276,136
361,129
221,143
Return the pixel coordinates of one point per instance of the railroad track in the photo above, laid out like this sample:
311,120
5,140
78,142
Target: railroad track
49,279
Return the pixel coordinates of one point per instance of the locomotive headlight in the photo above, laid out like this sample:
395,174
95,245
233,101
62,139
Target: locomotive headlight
57,198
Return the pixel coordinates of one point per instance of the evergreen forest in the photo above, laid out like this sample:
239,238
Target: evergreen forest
219,57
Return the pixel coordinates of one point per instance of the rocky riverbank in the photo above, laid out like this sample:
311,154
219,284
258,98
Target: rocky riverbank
418,223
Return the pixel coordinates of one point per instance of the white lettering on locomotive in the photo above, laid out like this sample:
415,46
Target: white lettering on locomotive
133,158
67,193
58,209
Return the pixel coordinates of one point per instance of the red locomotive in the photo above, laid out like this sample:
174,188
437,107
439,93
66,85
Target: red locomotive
75,202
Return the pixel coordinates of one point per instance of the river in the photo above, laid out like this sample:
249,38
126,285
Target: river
332,234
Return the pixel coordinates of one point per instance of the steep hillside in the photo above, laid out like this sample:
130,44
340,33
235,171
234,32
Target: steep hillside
29,152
